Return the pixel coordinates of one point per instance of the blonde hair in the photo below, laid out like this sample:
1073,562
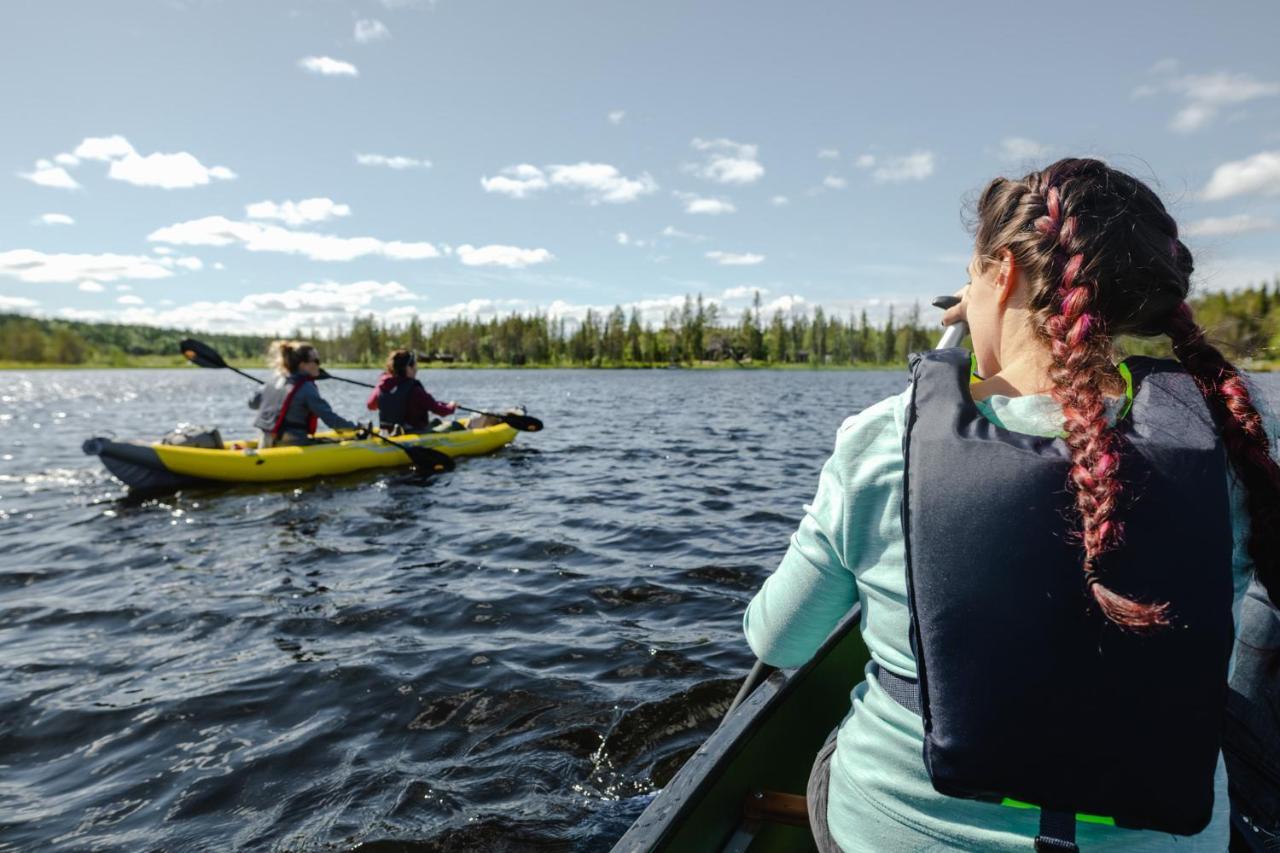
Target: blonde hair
285,357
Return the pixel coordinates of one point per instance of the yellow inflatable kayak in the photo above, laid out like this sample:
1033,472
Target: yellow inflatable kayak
159,466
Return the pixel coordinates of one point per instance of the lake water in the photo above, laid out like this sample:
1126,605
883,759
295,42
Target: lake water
508,657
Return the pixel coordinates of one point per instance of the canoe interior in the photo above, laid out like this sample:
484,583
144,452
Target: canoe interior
768,742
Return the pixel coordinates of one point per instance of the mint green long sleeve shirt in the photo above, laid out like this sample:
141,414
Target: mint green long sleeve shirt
848,549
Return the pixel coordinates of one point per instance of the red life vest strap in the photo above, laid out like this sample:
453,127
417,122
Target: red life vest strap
312,420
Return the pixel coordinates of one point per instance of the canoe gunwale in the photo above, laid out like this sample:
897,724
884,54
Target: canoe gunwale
693,788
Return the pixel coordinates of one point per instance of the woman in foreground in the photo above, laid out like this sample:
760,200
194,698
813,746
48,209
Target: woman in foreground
1049,559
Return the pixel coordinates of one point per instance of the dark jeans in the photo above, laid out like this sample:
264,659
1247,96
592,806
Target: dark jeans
816,794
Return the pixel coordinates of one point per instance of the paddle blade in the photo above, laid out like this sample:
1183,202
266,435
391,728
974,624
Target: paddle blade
525,423
429,461
200,354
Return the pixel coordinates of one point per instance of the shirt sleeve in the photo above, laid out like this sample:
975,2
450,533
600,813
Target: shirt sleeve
372,403
317,406
421,398
814,586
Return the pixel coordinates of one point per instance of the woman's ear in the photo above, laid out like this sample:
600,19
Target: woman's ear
1006,277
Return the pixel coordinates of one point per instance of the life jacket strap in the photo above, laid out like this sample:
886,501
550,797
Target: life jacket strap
1057,829
1057,832
905,691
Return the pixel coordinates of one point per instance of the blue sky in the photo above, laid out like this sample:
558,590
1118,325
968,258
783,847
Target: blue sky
263,165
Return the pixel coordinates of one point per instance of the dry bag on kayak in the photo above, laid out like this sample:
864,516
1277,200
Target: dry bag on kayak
1029,695
193,436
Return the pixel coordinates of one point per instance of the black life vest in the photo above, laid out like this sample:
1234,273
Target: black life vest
393,404
1029,695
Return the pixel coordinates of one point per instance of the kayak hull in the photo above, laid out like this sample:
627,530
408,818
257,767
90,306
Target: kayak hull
145,466
767,743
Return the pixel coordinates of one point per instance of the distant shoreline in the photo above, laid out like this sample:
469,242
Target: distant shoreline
165,363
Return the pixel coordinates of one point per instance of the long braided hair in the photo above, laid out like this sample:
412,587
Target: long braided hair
1102,259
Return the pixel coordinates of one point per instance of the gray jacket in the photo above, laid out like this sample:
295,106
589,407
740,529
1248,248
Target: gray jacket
306,403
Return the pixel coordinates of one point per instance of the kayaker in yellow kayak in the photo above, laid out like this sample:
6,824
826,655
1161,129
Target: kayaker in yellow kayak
290,406
1049,548
400,400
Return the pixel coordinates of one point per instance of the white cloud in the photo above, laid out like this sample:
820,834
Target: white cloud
371,29
790,304
601,182
1019,149
1218,226
256,237
616,116
392,162
12,303
511,257
1203,95
65,159
46,174
313,304
1206,94
744,292
56,219
190,263
865,161
518,181
90,286
104,148
834,182
298,212
624,239
328,66
912,167
828,154
1257,174
130,299
727,162
779,201
694,203
672,231
733,259
36,267
167,171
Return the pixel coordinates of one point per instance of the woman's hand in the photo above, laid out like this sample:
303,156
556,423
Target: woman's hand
957,313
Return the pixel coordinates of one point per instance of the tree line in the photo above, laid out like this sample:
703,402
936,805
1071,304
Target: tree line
1245,322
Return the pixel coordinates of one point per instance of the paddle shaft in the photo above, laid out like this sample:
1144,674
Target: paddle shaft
245,375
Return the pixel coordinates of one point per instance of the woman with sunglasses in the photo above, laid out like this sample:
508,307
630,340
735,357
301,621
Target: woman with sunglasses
290,406
401,402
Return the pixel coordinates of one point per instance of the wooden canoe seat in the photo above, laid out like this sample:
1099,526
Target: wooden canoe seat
776,807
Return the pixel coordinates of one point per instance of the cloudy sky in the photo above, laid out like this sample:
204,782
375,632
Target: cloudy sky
264,165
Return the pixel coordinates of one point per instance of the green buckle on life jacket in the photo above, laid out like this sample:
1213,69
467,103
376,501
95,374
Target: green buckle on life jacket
1082,818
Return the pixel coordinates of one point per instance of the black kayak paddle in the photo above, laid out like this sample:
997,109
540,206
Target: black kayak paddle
427,460
524,423
202,355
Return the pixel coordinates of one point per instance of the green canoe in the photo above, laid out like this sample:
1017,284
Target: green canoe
731,796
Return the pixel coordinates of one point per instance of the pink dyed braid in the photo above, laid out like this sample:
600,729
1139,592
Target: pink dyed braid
1246,439
1081,349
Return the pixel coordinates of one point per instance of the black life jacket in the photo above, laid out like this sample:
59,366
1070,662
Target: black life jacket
393,404
1029,695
